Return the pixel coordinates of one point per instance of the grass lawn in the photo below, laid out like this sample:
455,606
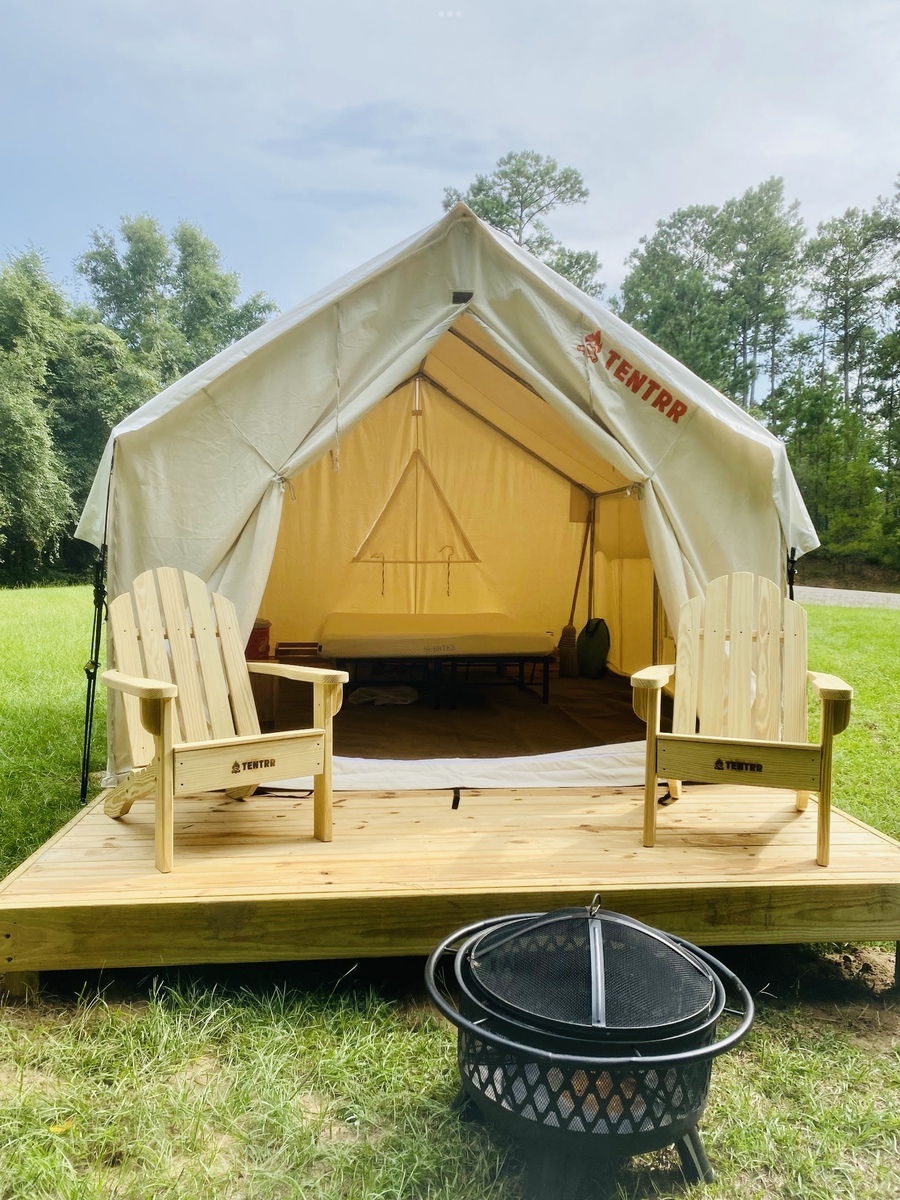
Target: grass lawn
327,1081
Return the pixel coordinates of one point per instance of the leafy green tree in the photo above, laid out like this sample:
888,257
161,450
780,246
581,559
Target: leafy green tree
671,293
758,242
34,500
168,298
65,381
832,451
847,269
523,188
93,381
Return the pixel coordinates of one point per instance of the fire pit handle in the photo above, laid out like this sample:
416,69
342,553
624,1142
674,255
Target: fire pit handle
682,1057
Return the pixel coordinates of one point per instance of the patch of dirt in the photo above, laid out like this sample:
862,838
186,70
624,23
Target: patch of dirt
315,1110
847,986
870,965
13,1082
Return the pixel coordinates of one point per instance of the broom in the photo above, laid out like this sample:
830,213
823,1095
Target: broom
568,649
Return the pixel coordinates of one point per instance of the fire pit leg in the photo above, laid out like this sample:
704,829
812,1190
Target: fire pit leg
466,1108
694,1163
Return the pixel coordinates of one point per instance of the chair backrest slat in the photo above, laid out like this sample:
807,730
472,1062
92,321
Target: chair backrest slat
194,726
796,726
767,708
687,666
126,655
711,706
152,628
212,674
243,705
739,659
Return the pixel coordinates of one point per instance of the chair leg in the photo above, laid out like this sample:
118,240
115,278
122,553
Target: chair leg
165,823
165,795
322,820
823,832
326,702
802,801
650,774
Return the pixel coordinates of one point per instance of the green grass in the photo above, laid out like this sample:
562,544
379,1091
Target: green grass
331,1082
45,636
861,645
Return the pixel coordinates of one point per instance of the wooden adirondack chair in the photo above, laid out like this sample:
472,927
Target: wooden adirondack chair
740,713
189,709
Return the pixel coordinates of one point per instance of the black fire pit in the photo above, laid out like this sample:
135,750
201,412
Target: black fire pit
587,1036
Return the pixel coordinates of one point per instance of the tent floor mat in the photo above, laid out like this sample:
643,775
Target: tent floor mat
250,884
496,720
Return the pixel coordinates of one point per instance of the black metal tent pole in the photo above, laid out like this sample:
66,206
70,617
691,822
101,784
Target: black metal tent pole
92,666
791,571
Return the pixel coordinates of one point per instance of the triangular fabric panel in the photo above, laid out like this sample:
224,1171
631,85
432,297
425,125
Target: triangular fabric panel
417,524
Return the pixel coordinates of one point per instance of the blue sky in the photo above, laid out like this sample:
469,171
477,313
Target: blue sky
305,138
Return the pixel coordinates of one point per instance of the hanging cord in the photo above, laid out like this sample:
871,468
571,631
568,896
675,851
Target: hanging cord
450,553
92,666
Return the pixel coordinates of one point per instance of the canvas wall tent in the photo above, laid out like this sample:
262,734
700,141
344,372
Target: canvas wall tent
429,435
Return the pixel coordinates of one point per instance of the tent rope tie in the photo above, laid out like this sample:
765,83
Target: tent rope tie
285,483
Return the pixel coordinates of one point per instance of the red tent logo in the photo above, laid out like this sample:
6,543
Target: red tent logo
591,346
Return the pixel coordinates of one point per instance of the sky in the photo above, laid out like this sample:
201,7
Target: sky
305,138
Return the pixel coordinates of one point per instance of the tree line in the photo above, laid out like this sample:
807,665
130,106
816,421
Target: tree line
800,328
160,305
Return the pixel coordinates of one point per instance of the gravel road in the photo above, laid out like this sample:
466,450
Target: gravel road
845,598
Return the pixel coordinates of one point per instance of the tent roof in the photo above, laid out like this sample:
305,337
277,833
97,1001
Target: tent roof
199,469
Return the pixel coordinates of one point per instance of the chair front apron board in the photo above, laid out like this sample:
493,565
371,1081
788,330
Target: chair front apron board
740,702
189,709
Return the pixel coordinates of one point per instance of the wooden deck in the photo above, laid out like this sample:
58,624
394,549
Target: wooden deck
732,865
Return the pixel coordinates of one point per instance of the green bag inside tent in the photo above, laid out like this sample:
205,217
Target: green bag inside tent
593,648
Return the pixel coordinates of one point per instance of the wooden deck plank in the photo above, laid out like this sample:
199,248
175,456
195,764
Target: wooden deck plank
250,883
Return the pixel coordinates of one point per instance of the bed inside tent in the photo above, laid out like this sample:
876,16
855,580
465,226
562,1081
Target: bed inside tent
448,526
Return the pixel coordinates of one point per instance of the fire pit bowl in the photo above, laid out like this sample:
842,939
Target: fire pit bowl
587,1036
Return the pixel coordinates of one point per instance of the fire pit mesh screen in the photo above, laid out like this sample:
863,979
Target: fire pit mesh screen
591,1100
589,971
543,969
649,983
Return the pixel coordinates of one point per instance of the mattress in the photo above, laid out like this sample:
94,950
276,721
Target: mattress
430,635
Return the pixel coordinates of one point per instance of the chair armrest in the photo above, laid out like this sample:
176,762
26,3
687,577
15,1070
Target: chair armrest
303,674
836,697
652,677
829,687
144,689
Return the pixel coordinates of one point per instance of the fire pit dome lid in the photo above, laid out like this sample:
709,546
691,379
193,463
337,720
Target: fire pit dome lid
589,971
